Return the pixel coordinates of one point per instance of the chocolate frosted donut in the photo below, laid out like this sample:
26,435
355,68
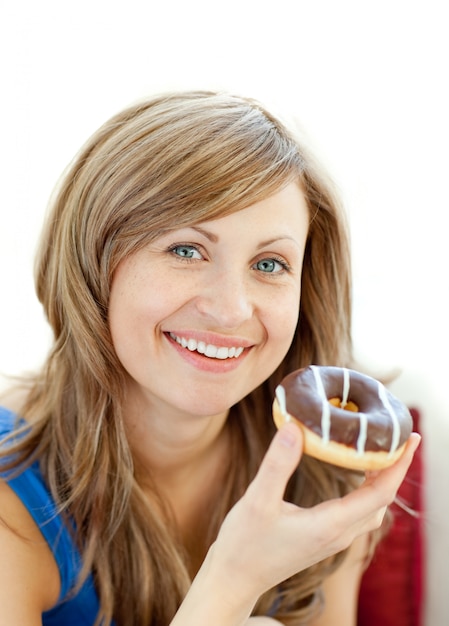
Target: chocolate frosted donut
349,419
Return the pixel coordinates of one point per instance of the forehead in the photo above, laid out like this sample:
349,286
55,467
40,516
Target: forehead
282,214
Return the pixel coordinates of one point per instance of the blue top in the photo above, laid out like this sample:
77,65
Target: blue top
71,610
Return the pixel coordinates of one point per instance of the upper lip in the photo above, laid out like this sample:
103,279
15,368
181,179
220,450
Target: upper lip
220,341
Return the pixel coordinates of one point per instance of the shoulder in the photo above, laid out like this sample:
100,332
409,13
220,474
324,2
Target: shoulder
29,576
40,562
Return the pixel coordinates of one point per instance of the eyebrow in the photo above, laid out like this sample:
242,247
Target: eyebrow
206,233
214,238
268,242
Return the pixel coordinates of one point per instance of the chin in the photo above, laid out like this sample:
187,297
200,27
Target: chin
208,407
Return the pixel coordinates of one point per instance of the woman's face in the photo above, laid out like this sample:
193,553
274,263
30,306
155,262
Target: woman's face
204,314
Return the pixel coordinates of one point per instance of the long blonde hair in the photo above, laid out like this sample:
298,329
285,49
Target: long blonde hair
173,160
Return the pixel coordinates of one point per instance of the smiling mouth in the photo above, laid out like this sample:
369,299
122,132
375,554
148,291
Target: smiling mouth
208,349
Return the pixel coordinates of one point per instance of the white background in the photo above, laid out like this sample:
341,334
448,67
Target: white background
368,83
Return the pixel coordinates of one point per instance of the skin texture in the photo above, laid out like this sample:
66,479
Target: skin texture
213,284
225,283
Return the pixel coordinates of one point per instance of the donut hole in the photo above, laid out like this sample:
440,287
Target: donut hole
349,406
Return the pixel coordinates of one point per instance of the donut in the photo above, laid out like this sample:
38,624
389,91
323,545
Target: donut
348,418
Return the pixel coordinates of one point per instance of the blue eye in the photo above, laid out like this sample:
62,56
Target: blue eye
186,252
270,266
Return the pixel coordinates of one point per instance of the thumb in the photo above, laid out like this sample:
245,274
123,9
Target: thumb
279,463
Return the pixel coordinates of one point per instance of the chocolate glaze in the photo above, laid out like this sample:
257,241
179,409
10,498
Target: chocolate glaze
304,402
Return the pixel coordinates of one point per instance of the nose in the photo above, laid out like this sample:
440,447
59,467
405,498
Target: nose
227,301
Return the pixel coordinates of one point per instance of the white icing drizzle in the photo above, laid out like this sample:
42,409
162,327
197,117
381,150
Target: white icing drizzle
346,387
326,409
363,420
280,396
396,426
363,434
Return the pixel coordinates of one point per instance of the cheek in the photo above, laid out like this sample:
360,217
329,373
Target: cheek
132,313
282,319
128,310
139,304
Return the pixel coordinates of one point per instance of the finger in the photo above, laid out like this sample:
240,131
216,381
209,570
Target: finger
379,488
279,463
386,483
395,474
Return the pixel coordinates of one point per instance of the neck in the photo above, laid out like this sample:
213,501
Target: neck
165,441
184,458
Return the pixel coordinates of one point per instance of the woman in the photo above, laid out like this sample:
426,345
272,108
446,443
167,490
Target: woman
193,256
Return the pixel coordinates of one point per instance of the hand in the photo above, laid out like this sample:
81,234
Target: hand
264,540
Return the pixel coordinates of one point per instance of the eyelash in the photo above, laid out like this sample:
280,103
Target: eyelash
185,259
282,262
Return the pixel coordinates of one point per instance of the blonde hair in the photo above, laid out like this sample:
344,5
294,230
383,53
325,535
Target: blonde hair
174,160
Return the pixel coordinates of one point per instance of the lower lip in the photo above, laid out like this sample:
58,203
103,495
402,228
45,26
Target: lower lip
207,364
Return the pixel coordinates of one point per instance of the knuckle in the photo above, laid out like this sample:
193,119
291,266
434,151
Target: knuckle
272,466
256,508
383,496
331,538
378,518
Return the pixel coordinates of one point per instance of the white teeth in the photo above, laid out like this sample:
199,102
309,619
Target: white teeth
192,345
209,350
222,353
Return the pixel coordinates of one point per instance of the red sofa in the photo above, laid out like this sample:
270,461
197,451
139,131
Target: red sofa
392,590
